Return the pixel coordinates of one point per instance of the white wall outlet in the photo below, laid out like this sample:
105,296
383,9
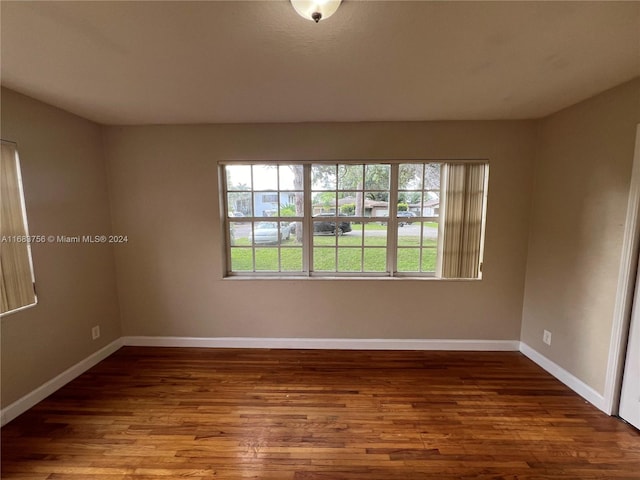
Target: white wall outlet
546,337
95,332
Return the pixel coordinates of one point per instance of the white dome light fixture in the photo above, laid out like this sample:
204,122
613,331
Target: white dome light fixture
315,10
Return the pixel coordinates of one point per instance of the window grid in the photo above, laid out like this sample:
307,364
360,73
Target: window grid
347,185
266,226
330,253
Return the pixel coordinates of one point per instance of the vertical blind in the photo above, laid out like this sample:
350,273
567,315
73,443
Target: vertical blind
15,258
464,202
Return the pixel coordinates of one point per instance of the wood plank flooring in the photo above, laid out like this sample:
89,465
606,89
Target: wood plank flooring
162,413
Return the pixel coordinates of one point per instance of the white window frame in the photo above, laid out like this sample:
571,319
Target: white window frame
307,220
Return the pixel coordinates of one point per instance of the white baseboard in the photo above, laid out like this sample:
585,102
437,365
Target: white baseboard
574,383
25,403
324,343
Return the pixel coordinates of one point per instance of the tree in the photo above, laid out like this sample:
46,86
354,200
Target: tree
348,209
287,210
354,177
298,184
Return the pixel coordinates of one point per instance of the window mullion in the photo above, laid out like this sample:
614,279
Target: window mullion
392,225
226,224
307,223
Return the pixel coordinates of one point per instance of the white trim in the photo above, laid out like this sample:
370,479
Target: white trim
574,383
31,399
625,291
325,343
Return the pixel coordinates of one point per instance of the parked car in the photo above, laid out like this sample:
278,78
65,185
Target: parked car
329,227
408,215
268,232
293,226
237,216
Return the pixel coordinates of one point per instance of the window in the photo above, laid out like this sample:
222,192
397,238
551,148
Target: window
389,219
15,255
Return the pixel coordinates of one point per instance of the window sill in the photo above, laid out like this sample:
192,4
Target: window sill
234,278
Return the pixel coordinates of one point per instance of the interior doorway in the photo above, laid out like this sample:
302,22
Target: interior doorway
630,395
629,408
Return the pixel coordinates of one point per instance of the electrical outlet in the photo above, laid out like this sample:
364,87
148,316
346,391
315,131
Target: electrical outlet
546,337
95,332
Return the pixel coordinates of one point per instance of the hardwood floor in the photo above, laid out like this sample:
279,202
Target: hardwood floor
161,413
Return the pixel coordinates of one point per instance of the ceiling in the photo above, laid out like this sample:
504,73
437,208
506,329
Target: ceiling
242,61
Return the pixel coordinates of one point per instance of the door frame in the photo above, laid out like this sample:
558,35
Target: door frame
625,290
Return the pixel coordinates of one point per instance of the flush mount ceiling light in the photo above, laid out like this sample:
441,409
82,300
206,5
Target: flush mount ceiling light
315,10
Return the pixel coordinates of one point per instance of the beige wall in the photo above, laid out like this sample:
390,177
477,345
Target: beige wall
164,197
65,186
583,169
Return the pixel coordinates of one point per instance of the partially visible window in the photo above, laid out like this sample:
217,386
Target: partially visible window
389,219
15,255
463,226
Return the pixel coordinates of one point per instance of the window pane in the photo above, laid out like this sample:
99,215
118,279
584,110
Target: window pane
285,231
267,259
430,234
270,233
432,176
429,259
265,177
377,177
240,233
405,217
431,205
350,239
375,234
295,232
323,177
375,260
376,204
291,177
345,227
409,235
349,259
354,237
238,177
350,177
323,234
347,203
408,259
265,204
410,176
291,259
412,200
292,204
324,259
239,204
323,202
241,259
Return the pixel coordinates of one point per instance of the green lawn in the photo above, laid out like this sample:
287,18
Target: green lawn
350,257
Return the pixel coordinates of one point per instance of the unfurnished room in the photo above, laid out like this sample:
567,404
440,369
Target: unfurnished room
320,239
